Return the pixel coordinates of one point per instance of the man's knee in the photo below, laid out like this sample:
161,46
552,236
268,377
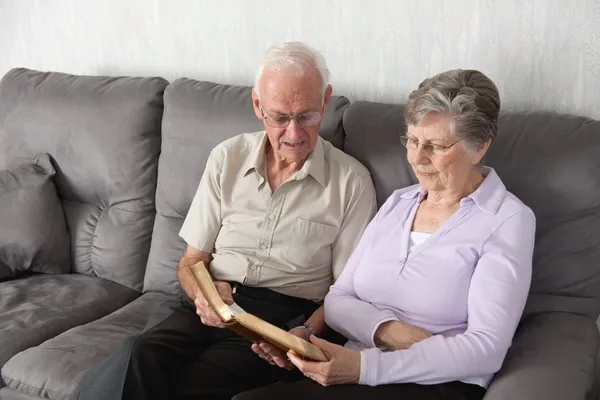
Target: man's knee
138,348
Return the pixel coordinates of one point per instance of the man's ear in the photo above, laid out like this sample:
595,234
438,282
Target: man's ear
327,97
256,105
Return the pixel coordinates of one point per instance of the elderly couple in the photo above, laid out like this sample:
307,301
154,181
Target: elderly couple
427,292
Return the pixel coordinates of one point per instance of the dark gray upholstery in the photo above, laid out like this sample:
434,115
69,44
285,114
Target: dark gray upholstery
33,230
373,133
552,357
35,309
104,136
198,116
552,163
7,393
53,369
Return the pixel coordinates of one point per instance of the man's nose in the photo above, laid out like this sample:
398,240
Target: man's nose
294,130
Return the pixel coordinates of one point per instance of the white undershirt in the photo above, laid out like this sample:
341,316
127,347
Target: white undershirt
416,238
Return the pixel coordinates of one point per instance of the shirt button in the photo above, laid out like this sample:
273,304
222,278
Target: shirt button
271,217
264,247
253,267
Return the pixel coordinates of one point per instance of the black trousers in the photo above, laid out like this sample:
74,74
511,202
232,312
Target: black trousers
177,357
307,389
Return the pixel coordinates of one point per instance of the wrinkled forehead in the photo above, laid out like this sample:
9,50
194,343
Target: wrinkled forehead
432,128
290,85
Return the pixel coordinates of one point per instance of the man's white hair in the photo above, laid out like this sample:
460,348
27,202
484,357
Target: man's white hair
295,58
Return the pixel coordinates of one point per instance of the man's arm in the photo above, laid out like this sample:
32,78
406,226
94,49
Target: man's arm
361,208
191,257
188,283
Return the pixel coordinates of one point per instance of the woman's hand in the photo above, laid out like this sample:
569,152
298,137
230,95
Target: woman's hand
396,335
343,365
275,356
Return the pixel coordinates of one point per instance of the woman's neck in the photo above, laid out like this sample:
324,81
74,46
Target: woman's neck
451,197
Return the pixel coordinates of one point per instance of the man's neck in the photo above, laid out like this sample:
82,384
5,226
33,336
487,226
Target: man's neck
280,169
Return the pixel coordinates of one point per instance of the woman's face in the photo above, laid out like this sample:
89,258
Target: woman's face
440,162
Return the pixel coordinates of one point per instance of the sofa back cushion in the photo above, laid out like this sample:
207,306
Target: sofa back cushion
198,116
33,230
103,135
550,161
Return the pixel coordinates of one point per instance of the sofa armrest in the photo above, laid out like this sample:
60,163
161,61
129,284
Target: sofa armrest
552,358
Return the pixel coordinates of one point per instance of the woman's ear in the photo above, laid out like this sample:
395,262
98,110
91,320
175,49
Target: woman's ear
478,156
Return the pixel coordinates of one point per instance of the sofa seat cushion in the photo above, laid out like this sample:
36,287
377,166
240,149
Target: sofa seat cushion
37,308
7,393
54,369
33,229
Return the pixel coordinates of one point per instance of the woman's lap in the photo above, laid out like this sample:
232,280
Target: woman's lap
307,389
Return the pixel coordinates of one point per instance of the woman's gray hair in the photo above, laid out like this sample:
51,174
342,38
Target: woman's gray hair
295,58
469,97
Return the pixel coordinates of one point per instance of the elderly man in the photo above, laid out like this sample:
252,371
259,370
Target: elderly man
275,217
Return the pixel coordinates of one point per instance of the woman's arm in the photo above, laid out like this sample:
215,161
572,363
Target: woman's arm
497,296
344,311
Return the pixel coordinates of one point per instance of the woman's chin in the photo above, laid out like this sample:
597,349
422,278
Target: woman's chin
427,182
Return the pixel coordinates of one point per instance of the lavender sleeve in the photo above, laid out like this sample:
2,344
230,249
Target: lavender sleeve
497,296
343,309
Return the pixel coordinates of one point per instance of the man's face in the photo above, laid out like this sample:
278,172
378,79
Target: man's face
284,95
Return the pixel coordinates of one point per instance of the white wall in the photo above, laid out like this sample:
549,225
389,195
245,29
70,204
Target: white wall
543,54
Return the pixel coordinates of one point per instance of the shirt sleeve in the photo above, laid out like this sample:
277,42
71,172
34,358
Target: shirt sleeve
344,311
497,296
203,220
359,212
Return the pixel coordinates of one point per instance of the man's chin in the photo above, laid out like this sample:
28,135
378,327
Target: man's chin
297,153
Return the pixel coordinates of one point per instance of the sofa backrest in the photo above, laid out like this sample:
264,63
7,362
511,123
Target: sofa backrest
550,161
198,116
103,134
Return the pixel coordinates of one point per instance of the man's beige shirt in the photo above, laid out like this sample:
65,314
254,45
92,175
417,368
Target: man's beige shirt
295,240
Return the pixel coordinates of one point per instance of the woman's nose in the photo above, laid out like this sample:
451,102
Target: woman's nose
418,155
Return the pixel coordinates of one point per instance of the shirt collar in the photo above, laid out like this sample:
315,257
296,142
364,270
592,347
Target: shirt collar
488,196
313,166
256,160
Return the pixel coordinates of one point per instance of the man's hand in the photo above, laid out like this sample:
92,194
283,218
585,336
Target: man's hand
275,356
396,335
207,315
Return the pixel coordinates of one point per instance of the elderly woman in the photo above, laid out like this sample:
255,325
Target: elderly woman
432,295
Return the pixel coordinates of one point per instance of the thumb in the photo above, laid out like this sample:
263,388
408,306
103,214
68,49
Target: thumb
323,344
224,290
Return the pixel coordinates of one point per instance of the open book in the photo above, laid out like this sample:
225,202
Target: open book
248,325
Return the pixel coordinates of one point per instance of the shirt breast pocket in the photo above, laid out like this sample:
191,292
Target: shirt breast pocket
309,243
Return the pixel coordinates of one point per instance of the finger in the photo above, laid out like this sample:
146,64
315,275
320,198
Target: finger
200,299
263,355
225,292
209,315
275,354
328,348
298,362
208,319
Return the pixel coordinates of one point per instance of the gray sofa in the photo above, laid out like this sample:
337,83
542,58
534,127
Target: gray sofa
98,174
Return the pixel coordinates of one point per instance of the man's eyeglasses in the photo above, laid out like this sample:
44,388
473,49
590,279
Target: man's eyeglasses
312,118
428,148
